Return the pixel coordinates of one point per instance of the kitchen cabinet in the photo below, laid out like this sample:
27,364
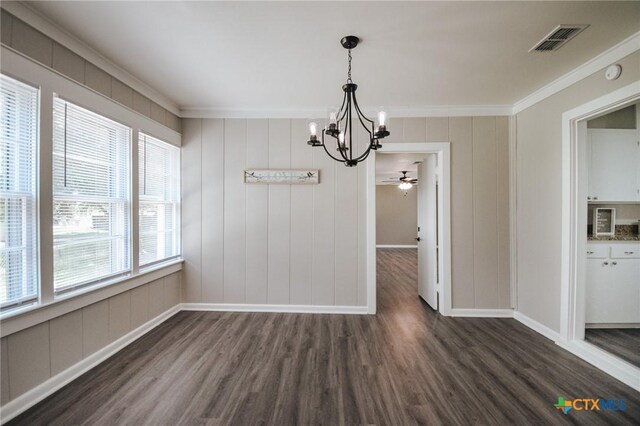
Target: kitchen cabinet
613,284
613,162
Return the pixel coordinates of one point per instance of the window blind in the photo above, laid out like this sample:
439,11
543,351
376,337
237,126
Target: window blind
91,200
18,212
159,174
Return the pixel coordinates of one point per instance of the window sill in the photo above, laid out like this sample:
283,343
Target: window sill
24,317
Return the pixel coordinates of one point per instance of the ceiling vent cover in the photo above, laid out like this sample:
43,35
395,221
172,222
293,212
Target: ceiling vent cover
558,37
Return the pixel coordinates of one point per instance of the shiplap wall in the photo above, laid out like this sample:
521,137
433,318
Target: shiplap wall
304,245
267,244
31,356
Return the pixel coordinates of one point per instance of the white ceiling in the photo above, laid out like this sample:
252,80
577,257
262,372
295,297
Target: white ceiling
390,167
248,56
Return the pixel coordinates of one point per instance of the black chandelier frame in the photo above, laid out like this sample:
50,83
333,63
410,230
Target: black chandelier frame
344,119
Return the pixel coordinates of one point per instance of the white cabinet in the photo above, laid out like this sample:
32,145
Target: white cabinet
613,157
613,284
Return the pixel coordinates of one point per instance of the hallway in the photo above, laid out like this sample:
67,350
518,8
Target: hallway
405,365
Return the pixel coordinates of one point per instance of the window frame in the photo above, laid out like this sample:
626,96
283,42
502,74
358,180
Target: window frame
51,83
177,203
28,301
128,271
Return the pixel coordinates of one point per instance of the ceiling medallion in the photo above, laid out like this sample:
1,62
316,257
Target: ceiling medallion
341,122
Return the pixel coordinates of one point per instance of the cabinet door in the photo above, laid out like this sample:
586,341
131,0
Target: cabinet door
625,286
598,298
614,172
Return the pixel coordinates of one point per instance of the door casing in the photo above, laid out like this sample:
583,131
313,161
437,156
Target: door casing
443,152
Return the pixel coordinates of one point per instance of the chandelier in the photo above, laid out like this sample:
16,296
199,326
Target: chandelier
341,122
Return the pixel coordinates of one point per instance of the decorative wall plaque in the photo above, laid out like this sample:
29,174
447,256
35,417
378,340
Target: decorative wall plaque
287,177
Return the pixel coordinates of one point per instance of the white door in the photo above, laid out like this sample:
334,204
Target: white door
427,232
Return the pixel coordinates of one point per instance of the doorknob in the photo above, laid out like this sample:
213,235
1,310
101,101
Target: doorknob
418,239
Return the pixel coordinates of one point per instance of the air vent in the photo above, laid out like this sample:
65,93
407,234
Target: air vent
558,37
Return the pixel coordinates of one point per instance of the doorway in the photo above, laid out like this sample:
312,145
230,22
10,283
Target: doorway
592,268
406,216
433,246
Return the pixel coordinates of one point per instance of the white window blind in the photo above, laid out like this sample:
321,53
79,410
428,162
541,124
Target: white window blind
159,173
91,199
18,212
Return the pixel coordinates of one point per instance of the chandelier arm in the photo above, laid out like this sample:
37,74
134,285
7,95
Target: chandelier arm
331,155
348,126
364,155
343,113
340,111
360,113
345,159
343,152
365,127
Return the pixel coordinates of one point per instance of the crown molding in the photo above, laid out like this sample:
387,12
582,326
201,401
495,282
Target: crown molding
418,111
608,57
60,35
52,30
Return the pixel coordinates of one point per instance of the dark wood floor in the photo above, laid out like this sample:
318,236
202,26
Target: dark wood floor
406,365
622,342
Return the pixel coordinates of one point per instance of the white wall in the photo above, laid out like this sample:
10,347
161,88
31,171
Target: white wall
396,215
305,245
539,195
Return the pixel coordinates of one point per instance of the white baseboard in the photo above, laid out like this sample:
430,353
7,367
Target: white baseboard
610,364
30,398
299,309
395,246
613,325
482,313
536,326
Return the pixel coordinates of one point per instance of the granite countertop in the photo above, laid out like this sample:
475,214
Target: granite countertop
628,233
620,238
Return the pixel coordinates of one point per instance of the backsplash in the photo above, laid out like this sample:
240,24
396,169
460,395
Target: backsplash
623,233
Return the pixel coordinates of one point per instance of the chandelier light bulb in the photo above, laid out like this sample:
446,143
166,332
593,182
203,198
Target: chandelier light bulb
333,117
341,138
313,129
382,118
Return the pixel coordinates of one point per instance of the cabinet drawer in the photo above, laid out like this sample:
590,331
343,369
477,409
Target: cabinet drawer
625,251
597,251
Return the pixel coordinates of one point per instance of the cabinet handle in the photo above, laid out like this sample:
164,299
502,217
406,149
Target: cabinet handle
588,198
590,252
614,263
595,198
605,263
628,252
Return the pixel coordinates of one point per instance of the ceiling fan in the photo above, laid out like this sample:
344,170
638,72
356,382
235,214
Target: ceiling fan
403,179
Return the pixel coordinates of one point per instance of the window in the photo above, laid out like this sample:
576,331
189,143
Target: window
159,172
91,200
18,212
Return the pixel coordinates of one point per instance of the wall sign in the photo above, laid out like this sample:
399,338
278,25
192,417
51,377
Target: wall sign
604,222
287,177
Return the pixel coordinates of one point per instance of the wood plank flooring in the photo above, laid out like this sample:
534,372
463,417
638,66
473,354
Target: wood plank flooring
621,342
405,365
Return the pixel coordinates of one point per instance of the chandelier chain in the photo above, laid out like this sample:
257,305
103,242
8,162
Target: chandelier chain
349,71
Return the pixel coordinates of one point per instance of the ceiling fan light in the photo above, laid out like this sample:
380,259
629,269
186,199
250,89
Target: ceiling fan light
405,186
